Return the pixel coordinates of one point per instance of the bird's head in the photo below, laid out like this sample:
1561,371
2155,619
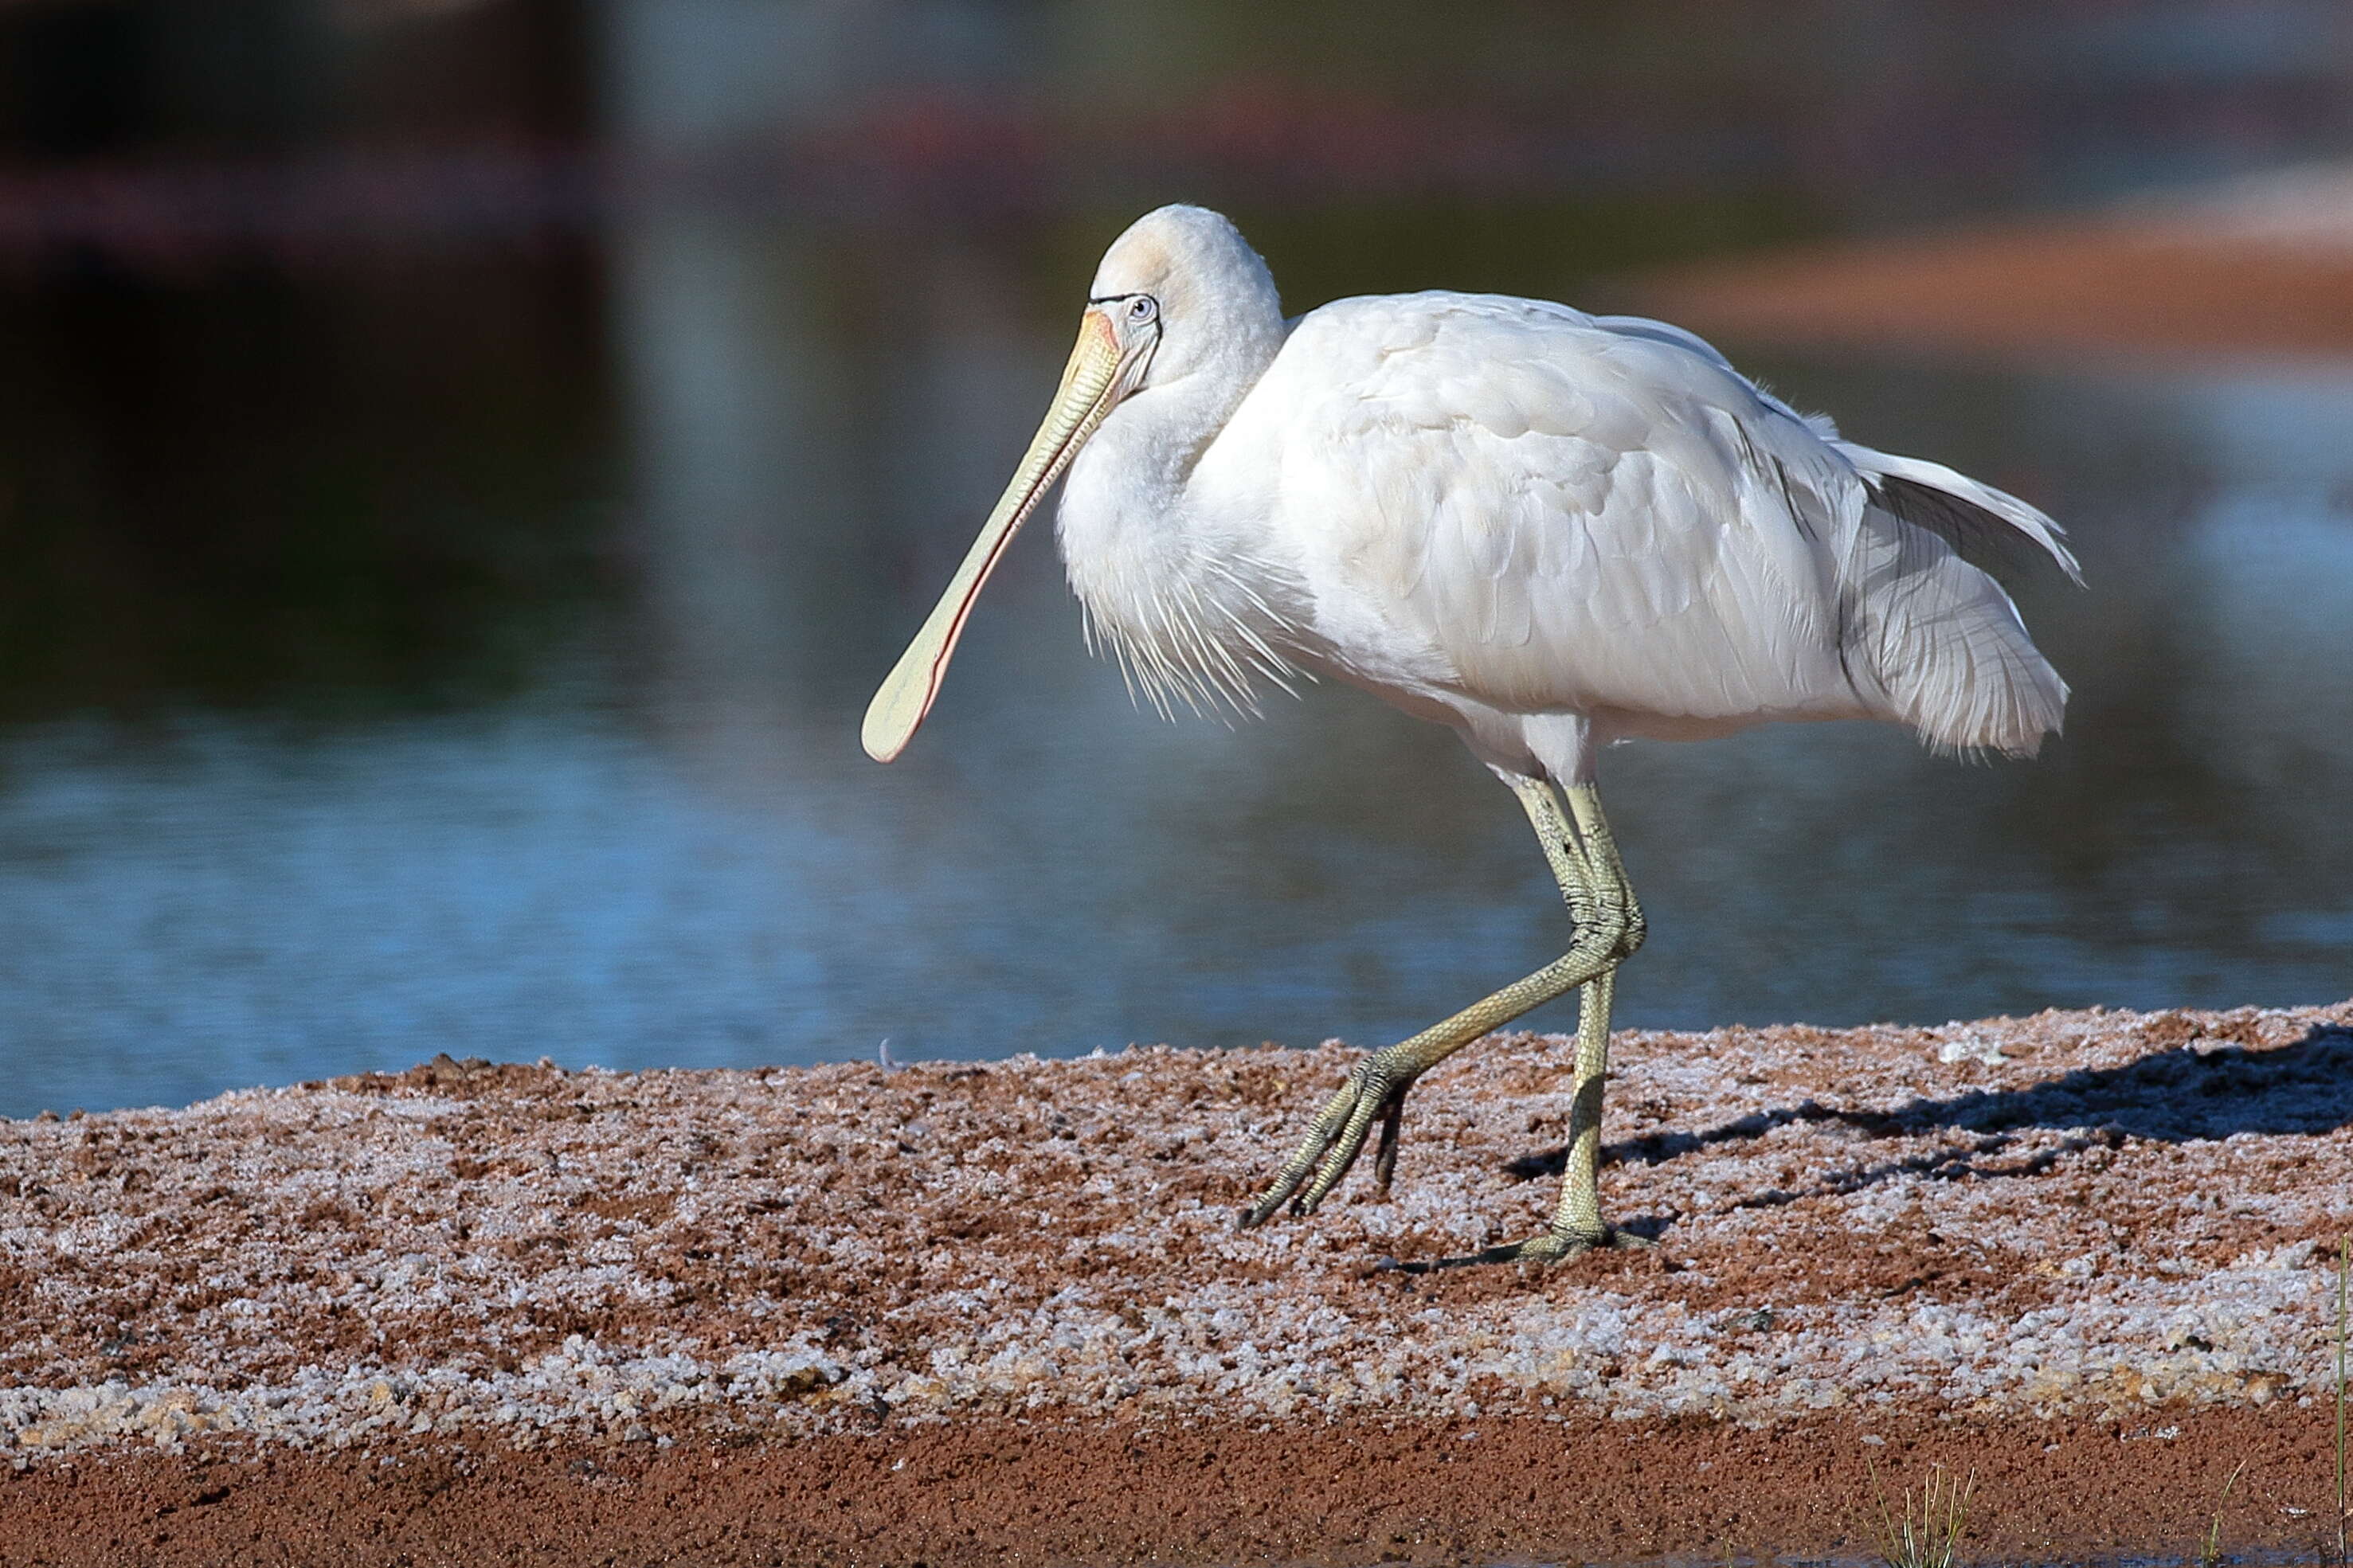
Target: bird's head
1180,292
1185,278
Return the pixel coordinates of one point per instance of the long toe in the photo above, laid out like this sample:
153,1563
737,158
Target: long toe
1372,1094
1545,1246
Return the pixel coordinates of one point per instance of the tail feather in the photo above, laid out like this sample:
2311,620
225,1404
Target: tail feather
1985,526
1928,627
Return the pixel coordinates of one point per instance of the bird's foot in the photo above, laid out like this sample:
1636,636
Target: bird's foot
1375,1092
1548,1246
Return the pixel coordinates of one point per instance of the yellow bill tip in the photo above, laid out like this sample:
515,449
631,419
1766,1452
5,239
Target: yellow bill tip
898,709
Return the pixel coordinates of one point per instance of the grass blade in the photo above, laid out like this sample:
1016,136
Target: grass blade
2212,1553
2344,1266
1933,1539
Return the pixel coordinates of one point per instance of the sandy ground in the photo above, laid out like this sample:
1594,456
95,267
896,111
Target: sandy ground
492,1314
2259,270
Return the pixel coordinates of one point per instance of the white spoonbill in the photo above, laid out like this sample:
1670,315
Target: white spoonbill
1548,530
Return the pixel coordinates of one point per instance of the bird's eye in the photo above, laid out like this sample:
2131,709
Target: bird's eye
1141,309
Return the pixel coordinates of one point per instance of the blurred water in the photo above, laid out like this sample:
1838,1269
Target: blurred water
489,683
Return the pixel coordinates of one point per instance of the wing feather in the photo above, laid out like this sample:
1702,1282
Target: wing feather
1546,511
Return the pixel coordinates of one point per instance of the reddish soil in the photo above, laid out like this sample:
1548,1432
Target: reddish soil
1511,1491
2259,272
961,1312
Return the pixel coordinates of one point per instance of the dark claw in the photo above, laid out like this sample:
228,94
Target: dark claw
1385,1156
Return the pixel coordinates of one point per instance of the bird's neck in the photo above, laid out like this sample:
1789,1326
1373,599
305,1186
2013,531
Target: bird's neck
1158,433
1160,568
1129,488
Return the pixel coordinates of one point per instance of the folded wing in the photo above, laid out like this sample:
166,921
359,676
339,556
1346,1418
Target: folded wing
1599,515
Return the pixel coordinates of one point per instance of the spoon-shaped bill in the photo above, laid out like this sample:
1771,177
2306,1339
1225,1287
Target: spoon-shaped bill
1088,389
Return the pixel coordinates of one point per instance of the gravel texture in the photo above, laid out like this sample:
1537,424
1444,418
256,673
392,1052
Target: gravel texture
978,1313
2098,1216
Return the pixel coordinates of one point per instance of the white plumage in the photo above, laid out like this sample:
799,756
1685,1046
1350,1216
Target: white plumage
1549,530
1496,507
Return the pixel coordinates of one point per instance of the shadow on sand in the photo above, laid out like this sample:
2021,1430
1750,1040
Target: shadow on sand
2171,1096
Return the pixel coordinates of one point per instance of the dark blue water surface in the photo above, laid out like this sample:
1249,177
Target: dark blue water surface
479,671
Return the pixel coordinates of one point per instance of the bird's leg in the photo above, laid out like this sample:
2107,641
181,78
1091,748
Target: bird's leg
1601,849
1576,1225
1606,920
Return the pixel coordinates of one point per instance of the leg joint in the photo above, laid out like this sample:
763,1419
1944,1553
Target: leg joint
1602,933
1636,929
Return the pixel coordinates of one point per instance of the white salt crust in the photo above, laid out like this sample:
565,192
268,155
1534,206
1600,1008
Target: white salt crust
2097,1215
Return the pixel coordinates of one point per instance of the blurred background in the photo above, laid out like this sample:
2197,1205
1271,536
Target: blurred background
464,465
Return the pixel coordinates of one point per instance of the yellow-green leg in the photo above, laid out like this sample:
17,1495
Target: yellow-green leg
1576,1225
1609,928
